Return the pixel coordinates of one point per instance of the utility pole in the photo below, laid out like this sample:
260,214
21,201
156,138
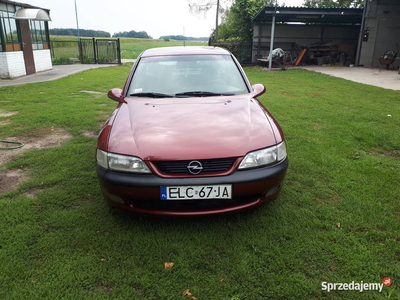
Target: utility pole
77,24
271,43
79,37
360,37
203,7
216,21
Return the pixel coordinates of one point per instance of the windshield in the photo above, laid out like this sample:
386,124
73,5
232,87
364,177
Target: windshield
187,75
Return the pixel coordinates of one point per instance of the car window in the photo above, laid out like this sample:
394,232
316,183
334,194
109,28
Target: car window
187,73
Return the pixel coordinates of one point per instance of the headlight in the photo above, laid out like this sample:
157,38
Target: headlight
122,163
101,158
264,157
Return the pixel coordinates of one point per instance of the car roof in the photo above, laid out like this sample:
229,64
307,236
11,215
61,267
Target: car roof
181,50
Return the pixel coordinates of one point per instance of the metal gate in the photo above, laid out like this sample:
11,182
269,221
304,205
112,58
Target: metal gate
86,51
108,51
100,51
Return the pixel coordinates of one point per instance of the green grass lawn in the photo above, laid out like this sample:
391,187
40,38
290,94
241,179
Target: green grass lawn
336,220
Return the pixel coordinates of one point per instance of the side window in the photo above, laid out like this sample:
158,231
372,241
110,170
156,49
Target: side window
9,29
38,35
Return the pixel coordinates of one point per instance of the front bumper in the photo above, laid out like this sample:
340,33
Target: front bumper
141,193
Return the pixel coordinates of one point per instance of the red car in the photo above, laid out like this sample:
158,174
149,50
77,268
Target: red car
189,137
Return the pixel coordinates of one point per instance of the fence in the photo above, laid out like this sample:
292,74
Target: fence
241,50
64,52
86,51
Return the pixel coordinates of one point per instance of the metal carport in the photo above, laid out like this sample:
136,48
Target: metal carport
285,26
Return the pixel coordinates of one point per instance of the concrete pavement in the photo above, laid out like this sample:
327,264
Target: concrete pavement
388,79
54,74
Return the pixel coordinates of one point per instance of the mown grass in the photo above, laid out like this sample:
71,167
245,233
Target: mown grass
130,47
336,220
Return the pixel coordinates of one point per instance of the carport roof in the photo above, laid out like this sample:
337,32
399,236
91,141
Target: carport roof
332,16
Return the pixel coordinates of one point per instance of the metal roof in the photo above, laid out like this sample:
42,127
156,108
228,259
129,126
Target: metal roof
332,16
25,5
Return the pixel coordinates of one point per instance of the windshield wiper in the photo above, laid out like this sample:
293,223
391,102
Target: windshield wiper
151,95
200,94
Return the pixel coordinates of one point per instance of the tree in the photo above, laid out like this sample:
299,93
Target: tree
204,6
238,21
334,3
133,34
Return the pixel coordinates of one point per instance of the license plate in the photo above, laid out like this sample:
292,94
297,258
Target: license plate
196,192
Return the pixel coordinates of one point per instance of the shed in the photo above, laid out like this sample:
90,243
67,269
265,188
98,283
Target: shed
324,32
363,35
24,39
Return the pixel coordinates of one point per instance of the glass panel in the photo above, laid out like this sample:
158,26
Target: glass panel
11,9
43,35
38,32
43,31
7,30
14,31
32,30
9,27
3,26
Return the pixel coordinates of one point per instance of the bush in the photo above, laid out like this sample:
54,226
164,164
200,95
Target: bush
62,60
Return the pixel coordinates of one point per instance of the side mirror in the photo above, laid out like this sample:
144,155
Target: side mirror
258,89
116,95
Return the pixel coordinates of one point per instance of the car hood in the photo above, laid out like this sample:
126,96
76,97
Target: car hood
191,128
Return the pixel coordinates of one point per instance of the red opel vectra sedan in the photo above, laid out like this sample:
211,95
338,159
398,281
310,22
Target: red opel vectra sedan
189,137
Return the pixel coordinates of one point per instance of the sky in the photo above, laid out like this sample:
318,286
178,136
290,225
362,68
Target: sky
156,17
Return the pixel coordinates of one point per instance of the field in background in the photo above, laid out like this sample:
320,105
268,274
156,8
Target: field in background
131,48
65,49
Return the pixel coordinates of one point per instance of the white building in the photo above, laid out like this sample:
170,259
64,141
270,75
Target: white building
24,39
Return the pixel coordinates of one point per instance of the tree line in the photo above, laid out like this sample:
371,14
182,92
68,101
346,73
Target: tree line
183,38
98,33
82,32
133,34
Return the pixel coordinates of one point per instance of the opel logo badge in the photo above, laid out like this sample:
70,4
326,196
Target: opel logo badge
195,167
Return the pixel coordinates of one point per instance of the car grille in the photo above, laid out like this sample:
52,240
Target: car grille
209,165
